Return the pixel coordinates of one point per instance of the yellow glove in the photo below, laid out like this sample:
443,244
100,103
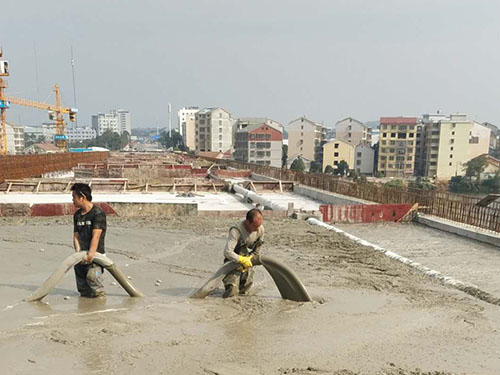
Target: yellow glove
245,261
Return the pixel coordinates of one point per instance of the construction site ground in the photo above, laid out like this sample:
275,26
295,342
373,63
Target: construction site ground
372,315
467,260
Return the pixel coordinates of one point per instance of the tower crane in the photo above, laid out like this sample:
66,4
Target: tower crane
55,111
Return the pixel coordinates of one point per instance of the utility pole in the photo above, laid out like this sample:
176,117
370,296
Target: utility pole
169,120
74,86
4,104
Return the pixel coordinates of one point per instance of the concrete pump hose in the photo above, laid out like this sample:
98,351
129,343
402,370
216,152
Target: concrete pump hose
73,260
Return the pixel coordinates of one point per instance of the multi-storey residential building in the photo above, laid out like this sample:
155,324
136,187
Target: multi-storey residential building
187,125
450,142
494,136
397,144
353,131
306,138
15,138
214,130
102,122
258,140
118,121
123,120
364,159
337,150
47,131
80,134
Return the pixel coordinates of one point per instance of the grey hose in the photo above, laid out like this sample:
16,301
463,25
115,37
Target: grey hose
71,261
288,283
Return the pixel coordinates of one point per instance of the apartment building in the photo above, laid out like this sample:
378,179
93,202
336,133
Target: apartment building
118,121
258,140
186,117
15,138
397,145
364,159
306,138
80,134
450,142
494,136
337,150
213,130
353,131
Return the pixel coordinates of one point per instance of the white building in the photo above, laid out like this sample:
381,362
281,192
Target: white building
117,121
353,131
214,130
364,159
124,121
47,131
80,134
187,125
15,139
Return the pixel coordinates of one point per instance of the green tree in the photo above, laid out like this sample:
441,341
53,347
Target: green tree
124,139
109,140
284,155
175,140
298,165
316,167
395,184
476,166
422,183
342,168
329,169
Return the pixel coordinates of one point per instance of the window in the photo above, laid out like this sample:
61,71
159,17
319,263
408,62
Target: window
391,157
383,157
384,134
390,165
220,130
220,115
335,162
408,166
451,156
393,135
411,135
453,133
336,145
452,141
451,148
392,143
335,154
220,137
268,153
401,135
358,162
359,154
391,150
409,158
383,150
382,165
383,142
302,126
450,163
301,134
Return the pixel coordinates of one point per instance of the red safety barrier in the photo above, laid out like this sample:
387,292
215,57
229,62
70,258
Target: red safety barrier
363,213
61,209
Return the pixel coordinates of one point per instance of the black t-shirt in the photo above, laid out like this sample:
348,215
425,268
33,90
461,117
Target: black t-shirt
85,224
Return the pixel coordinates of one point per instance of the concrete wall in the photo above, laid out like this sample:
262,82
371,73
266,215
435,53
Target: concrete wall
327,197
472,233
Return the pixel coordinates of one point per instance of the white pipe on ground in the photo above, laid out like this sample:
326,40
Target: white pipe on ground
258,198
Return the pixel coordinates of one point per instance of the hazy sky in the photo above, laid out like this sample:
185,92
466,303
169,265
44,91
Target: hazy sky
281,59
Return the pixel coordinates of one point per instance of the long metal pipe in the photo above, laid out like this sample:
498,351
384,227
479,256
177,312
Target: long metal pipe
258,198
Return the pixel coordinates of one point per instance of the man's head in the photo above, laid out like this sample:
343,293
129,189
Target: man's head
254,219
81,194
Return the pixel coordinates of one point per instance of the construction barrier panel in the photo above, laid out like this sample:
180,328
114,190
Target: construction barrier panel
363,213
25,166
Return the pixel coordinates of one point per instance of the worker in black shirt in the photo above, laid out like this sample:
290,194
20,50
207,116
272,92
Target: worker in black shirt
88,235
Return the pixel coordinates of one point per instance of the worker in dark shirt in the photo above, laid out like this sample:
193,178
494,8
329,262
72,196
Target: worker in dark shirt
88,235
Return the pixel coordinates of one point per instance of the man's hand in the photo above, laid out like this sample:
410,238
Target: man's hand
88,258
245,261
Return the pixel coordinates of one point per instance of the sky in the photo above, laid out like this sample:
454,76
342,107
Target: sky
282,59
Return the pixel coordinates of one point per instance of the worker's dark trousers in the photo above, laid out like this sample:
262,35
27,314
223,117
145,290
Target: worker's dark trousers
238,282
89,279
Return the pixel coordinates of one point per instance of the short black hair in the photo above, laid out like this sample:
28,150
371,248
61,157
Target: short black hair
82,190
252,213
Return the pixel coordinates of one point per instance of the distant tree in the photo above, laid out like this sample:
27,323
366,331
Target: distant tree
316,167
329,169
109,140
175,141
354,175
395,184
476,166
284,155
124,139
342,168
422,183
298,165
